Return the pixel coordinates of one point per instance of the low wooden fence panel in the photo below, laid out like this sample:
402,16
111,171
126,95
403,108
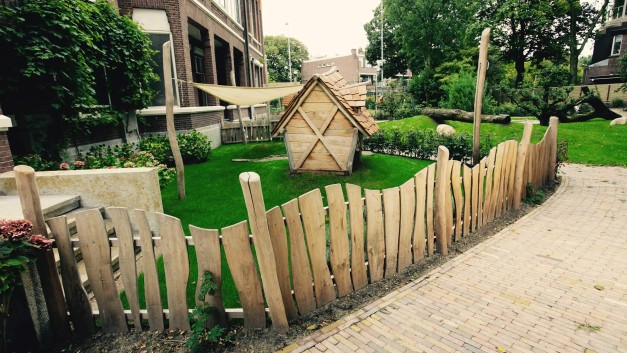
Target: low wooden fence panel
307,254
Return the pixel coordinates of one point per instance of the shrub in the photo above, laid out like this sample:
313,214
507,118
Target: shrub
195,147
35,161
158,146
617,103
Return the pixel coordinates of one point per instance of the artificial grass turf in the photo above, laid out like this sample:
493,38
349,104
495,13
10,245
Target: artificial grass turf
214,197
591,142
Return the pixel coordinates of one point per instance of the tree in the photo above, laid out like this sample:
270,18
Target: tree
578,26
525,30
277,56
55,53
393,60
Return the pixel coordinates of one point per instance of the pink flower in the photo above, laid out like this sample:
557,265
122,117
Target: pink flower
79,164
40,241
15,230
64,166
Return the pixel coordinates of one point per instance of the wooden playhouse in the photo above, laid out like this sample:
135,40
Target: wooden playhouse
324,124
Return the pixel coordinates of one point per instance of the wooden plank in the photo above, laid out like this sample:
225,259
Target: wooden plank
75,295
392,220
442,190
352,149
301,270
242,265
498,168
553,125
151,279
408,214
374,237
338,238
358,263
97,257
176,263
276,225
321,137
128,268
253,196
521,158
317,97
467,182
209,259
512,175
476,197
313,221
288,148
430,211
449,203
169,118
419,241
457,195
487,194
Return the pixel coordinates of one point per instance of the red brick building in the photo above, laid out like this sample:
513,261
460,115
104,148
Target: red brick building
610,44
208,41
354,67
6,160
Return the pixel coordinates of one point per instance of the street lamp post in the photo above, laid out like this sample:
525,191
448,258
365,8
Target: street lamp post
289,50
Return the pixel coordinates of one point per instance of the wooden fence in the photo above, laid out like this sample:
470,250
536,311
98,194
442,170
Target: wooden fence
330,251
256,130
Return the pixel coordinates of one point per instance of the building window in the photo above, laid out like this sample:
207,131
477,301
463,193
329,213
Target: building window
232,8
616,44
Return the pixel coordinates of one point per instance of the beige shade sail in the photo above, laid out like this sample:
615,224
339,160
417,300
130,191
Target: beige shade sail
247,95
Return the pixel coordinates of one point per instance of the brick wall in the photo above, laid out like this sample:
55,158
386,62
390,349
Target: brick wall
182,122
6,159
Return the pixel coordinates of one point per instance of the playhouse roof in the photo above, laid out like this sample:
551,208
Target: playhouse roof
352,98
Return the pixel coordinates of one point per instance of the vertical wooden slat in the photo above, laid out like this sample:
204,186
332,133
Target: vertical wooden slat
442,190
301,270
408,213
419,226
358,262
253,196
375,238
242,264
476,198
457,194
338,238
430,210
498,169
313,220
553,124
489,184
75,295
502,168
209,259
97,257
467,182
176,265
151,279
276,225
449,204
521,159
512,175
392,220
128,268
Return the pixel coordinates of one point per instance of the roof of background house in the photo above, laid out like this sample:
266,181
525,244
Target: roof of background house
351,97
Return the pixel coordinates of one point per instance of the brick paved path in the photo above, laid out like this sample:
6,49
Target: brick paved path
530,288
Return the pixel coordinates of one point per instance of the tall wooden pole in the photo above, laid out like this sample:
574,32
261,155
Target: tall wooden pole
169,118
481,69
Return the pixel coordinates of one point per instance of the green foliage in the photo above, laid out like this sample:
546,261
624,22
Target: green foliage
200,336
277,54
55,51
396,104
622,71
460,91
35,161
618,103
562,154
195,147
394,60
534,197
425,88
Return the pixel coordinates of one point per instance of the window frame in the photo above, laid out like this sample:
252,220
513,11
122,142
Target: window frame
614,41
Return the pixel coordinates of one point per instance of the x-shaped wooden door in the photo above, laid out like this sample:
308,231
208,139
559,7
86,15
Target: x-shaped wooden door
319,137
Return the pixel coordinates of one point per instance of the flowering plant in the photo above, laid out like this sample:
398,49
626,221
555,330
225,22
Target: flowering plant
18,248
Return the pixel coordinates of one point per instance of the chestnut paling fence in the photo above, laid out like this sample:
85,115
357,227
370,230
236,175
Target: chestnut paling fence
307,254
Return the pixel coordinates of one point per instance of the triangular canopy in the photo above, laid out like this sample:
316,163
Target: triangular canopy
247,95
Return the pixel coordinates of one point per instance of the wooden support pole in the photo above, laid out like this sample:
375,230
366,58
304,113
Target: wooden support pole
442,191
481,71
521,162
169,117
553,122
241,124
253,196
46,266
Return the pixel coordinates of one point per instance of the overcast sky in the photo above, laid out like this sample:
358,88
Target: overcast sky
326,27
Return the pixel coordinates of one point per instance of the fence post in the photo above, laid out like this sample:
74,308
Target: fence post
442,186
253,196
46,267
553,122
521,159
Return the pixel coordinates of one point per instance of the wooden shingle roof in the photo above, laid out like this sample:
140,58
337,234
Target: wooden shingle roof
352,98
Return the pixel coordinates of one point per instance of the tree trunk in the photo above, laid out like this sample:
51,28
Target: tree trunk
440,115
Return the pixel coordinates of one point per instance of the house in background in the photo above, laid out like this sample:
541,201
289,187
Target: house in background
609,45
208,41
354,67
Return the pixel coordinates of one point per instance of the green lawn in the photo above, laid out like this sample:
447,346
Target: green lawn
593,142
